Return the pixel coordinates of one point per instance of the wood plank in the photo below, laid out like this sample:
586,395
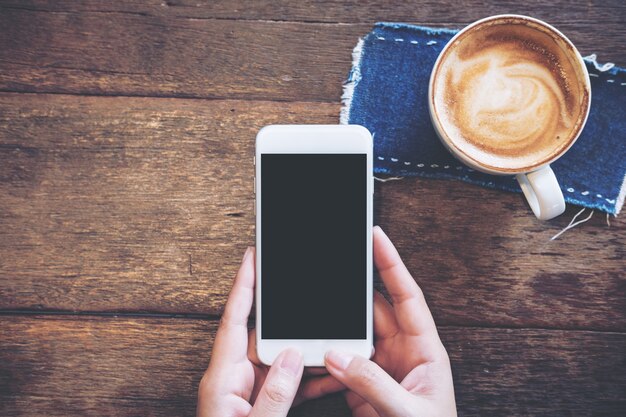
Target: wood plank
151,366
163,53
139,204
338,11
126,204
475,250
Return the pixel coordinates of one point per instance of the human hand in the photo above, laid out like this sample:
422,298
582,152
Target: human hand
236,384
410,373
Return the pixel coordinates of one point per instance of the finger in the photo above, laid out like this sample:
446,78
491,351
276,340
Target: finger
369,381
316,387
231,340
253,356
384,321
280,386
359,406
260,372
241,295
412,313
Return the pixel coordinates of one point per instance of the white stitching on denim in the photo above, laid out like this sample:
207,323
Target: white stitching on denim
585,193
602,68
460,167
382,158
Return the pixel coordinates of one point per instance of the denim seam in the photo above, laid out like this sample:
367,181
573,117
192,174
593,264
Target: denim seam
591,58
463,168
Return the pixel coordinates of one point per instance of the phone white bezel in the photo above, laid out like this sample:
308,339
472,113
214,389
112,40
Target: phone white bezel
303,139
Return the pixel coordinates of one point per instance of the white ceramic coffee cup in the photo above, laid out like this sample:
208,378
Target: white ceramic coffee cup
538,182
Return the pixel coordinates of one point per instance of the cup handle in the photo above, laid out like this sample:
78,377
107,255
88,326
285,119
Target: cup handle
542,192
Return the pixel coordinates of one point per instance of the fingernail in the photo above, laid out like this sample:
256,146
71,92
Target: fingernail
246,254
292,361
338,360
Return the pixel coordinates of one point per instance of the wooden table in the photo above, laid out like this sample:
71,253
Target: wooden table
126,143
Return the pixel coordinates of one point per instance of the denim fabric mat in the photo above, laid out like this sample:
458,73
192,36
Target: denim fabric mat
387,90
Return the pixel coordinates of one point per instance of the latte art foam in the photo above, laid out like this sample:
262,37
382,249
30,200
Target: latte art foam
508,94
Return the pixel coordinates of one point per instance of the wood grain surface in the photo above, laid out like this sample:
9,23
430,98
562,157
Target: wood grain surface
94,365
146,205
126,137
164,49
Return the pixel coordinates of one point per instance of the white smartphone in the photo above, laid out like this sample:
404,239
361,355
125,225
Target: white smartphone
314,187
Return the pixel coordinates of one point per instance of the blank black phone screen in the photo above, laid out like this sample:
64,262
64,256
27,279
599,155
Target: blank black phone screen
313,247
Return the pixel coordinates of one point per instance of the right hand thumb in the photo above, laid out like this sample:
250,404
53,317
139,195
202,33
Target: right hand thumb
369,381
280,386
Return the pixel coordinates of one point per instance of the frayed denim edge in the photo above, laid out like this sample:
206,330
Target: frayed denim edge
619,202
350,84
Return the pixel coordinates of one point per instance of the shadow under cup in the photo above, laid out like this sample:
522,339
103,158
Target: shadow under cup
508,95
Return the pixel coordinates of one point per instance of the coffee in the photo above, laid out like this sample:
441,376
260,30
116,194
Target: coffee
509,95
